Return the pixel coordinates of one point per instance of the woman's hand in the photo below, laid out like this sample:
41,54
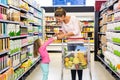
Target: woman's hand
60,36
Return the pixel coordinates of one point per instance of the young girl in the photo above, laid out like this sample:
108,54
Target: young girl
40,48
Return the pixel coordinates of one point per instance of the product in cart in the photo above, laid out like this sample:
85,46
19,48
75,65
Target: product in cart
76,59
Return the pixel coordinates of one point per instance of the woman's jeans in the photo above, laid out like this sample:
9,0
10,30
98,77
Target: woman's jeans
72,47
45,70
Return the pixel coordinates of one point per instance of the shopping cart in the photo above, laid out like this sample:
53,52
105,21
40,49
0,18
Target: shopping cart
76,55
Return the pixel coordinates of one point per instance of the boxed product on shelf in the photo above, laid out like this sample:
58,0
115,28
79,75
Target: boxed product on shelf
24,5
18,72
35,37
24,41
14,49
110,26
103,29
23,56
104,19
30,17
23,31
3,62
26,65
115,49
4,44
31,9
30,51
30,39
117,16
13,15
14,2
3,77
15,60
116,6
9,74
30,29
112,60
115,37
3,12
13,29
35,30
103,39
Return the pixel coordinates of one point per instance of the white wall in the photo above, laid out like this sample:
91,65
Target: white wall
45,2
90,2
49,2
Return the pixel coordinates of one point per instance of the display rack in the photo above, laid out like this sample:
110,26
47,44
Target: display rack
88,29
52,27
106,35
16,44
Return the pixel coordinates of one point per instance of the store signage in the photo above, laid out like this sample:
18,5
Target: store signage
69,2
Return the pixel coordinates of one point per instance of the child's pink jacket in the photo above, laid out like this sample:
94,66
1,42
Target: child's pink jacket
43,51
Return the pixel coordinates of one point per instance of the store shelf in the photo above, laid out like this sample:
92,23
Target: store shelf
35,24
117,31
86,20
30,12
1,37
28,69
5,69
101,33
4,5
50,32
23,10
27,45
37,17
18,37
7,21
4,52
17,66
109,68
113,22
103,24
11,6
23,26
116,43
53,25
88,32
32,6
15,53
25,17
114,1
24,60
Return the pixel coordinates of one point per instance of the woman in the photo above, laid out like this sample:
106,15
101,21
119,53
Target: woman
70,29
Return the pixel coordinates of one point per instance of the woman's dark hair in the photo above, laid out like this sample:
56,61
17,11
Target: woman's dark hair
60,12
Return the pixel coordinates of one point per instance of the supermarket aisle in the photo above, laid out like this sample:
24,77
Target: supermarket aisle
98,71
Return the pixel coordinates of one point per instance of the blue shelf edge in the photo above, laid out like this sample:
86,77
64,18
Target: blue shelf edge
4,5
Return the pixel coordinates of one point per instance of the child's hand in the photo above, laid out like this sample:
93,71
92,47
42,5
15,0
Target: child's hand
55,37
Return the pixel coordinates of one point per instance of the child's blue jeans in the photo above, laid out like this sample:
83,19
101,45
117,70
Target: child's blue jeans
45,70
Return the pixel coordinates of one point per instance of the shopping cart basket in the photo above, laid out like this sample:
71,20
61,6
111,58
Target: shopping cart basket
76,56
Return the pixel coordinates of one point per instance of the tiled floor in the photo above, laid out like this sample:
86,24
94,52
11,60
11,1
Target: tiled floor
97,70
